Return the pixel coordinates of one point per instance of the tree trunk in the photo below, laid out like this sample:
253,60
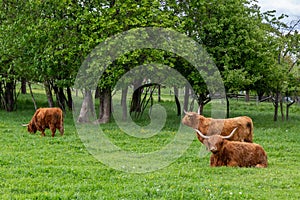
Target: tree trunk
247,96
281,110
9,97
200,108
124,103
32,97
159,93
97,93
70,99
186,98
177,101
260,95
202,101
60,97
87,108
288,105
227,107
105,106
136,100
49,94
276,101
23,86
136,96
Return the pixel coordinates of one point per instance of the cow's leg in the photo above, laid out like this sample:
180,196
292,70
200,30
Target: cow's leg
42,129
53,130
43,132
213,161
261,165
232,163
61,130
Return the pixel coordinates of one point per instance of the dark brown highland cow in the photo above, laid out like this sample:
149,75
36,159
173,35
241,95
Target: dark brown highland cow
210,126
233,153
43,118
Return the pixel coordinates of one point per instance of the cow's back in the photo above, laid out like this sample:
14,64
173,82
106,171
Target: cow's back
212,126
240,154
54,116
47,116
244,131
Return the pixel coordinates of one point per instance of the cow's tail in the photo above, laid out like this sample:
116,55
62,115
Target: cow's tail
61,122
62,117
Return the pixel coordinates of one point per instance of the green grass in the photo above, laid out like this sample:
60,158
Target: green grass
35,167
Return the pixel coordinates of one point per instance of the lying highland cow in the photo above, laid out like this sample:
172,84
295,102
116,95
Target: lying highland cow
210,126
43,118
233,153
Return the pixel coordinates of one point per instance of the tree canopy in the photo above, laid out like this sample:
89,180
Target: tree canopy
47,41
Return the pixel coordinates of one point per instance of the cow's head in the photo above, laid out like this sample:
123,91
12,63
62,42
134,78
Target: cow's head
214,143
31,128
191,119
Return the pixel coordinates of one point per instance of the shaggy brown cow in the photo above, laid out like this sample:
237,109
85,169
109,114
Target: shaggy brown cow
43,118
233,153
210,126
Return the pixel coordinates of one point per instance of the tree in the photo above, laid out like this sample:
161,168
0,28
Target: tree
10,31
285,49
116,17
55,42
231,32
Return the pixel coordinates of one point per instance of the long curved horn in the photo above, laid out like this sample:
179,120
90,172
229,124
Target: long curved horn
231,134
201,134
25,124
185,112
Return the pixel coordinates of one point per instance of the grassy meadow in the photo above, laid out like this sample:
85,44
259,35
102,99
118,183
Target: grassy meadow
35,167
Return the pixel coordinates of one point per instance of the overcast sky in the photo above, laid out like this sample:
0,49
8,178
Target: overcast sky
289,7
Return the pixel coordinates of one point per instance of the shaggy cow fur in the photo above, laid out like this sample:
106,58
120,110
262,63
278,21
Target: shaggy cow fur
210,126
43,118
233,153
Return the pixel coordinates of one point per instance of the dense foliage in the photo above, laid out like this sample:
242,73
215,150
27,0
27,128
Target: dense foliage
47,41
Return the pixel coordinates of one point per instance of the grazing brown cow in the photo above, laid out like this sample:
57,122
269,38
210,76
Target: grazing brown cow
210,126
233,153
43,118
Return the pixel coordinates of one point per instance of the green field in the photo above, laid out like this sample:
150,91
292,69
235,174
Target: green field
35,167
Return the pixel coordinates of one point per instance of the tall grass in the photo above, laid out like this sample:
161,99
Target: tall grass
35,167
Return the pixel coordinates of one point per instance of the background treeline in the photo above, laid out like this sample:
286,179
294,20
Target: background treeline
46,42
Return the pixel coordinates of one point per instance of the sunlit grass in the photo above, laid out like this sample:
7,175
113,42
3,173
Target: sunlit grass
35,167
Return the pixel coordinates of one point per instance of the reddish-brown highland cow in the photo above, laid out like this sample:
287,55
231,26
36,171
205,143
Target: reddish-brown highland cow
210,126
233,153
43,118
